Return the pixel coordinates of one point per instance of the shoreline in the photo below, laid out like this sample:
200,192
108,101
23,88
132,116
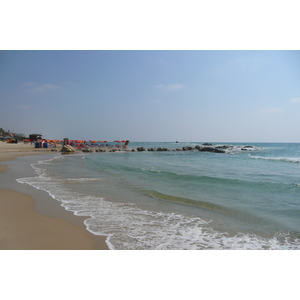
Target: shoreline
32,220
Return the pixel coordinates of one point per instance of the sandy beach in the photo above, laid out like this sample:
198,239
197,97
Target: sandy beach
26,225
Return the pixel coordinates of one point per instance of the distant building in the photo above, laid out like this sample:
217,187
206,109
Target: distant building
35,136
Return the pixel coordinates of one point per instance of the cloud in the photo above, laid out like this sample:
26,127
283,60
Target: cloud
170,87
295,100
272,110
173,87
34,87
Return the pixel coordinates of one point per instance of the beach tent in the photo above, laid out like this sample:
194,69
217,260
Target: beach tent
35,136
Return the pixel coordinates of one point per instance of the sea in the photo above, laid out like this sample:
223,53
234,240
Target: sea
246,198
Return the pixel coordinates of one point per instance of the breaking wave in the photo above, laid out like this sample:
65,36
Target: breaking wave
285,159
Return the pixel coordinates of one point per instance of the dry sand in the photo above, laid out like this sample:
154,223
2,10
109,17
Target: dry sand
22,228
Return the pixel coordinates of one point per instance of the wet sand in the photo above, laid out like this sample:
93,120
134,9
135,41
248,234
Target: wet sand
28,224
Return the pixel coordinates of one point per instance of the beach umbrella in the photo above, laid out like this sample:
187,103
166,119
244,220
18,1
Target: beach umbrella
104,141
123,141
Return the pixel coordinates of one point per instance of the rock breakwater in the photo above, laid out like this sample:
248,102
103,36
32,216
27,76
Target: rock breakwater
186,148
202,148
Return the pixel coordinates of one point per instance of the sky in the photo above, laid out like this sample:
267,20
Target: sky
204,96
234,96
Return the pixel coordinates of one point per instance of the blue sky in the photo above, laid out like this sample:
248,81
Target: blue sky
205,96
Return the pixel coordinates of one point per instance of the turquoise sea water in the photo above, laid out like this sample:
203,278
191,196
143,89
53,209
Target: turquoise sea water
241,199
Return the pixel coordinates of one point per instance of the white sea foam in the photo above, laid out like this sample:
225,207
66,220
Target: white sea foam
232,149
73,180
133,228
285,159
128,227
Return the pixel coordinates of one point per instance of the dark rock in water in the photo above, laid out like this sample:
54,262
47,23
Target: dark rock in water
134,150
224,147
141,149
190,148
162,149
184,148
207,144
178,149
209,149
151,149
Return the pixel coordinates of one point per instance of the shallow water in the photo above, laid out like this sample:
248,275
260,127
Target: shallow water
241,199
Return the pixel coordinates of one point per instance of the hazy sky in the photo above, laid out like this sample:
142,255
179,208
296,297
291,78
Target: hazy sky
205,96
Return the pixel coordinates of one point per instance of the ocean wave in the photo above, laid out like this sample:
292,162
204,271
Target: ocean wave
75,180
285,159
217,208
130,228
127,226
